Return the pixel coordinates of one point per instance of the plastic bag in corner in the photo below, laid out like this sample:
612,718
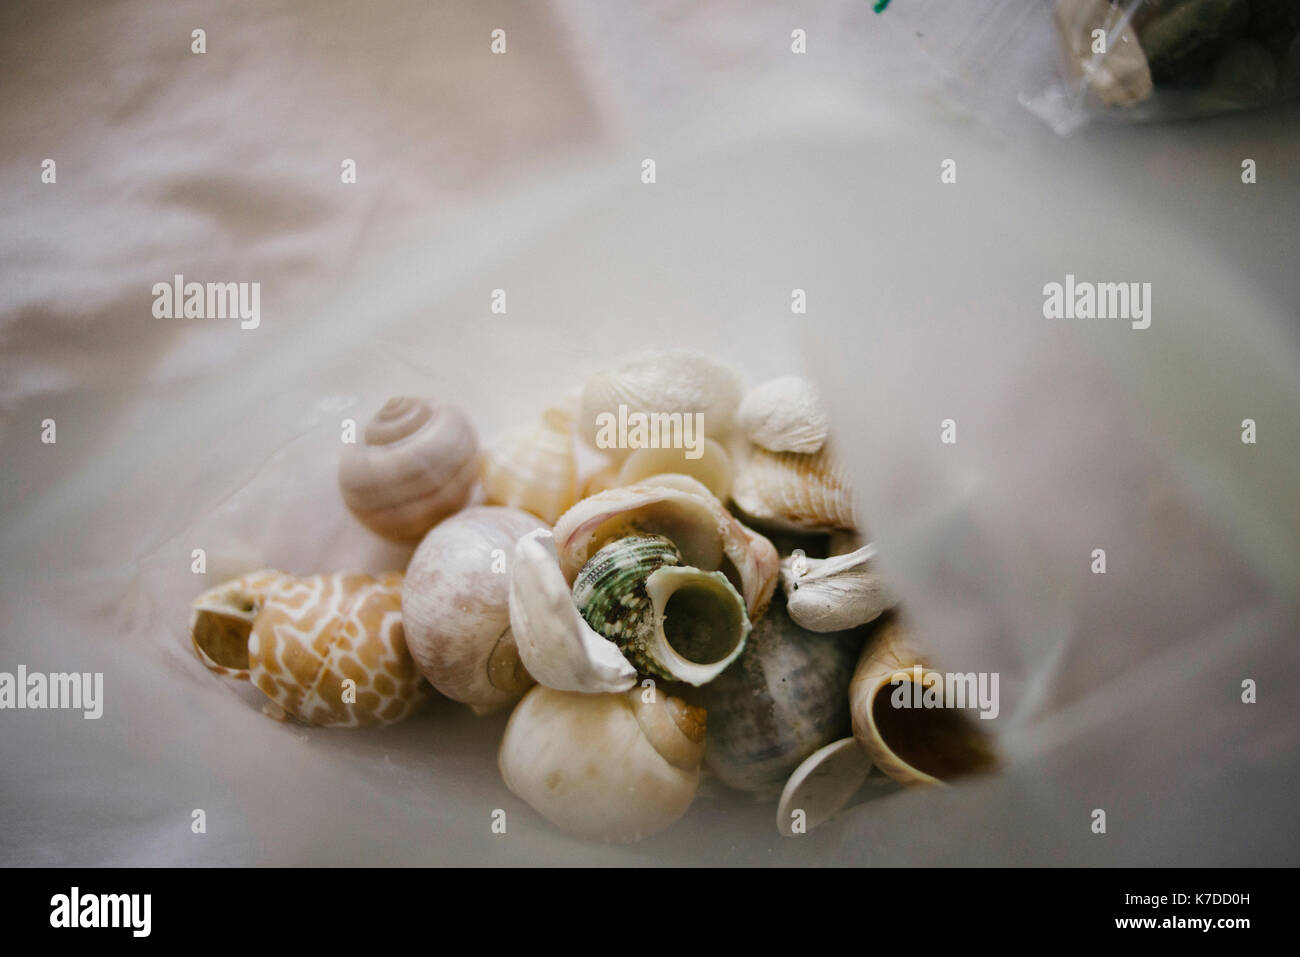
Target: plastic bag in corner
1070,61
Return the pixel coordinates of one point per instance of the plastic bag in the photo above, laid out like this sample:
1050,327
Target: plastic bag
1069,61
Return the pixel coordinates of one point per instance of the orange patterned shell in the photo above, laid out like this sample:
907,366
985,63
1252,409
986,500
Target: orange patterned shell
315,633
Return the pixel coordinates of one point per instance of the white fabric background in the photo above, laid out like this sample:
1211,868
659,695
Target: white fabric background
225,166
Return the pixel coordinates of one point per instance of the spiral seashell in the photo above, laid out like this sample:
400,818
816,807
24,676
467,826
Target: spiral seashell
712,468
415,466
784,698
785,415
329,650
606,767
556,645
668,619
222,618
533,468
455,603
832,594
793,492
682,510
664,383
911,745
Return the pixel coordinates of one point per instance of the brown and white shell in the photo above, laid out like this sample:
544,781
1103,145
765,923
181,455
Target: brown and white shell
793,492
222,617
330,650
687,514
416,464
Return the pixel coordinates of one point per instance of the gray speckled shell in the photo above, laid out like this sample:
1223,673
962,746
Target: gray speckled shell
785,697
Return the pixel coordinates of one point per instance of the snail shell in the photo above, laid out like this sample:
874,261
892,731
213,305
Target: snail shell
682,510
313,634
533,468
793,492
712,468
784,698
911,745
668,619
832,594
556,645
456,606
606,767
785,415
222,618
664,383
416,465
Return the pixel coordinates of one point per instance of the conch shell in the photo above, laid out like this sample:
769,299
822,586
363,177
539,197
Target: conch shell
456,606
327,649
911,745
416,465
606,767
793,492
687,514
784,698
668,619
831,594
785,415
556,645
662,383
533,468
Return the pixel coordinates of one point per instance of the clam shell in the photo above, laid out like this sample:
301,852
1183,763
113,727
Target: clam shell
687,514
784,698
668,619
664,383
416,464
822,785
832,594
533,468
793,492
455,602
313,634
785,415
606,767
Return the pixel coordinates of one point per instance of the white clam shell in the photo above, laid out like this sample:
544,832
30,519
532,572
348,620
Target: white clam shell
822,785
832,594
664,383
455,602
557,647
793,492
785,415
606,767
712,468
416,464
533,467
686,513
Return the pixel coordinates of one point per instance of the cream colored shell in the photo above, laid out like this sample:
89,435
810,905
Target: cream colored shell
712,468
533,467
831,594
785,415
456,606
793,492
416,464
606,767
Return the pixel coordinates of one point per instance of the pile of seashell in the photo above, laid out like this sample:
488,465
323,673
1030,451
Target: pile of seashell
631,618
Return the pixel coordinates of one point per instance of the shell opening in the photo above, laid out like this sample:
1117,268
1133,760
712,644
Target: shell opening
223,635
939,742
700,622
506,672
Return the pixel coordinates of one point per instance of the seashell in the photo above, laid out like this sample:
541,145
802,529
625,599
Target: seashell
415,466
831,594
314,634
783,699
911,745
657,383
682,510
1120,76
606,767
821,786
793,492
556,645
533,468
785,415
456,606
222,618
600,481
668,619
711,467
